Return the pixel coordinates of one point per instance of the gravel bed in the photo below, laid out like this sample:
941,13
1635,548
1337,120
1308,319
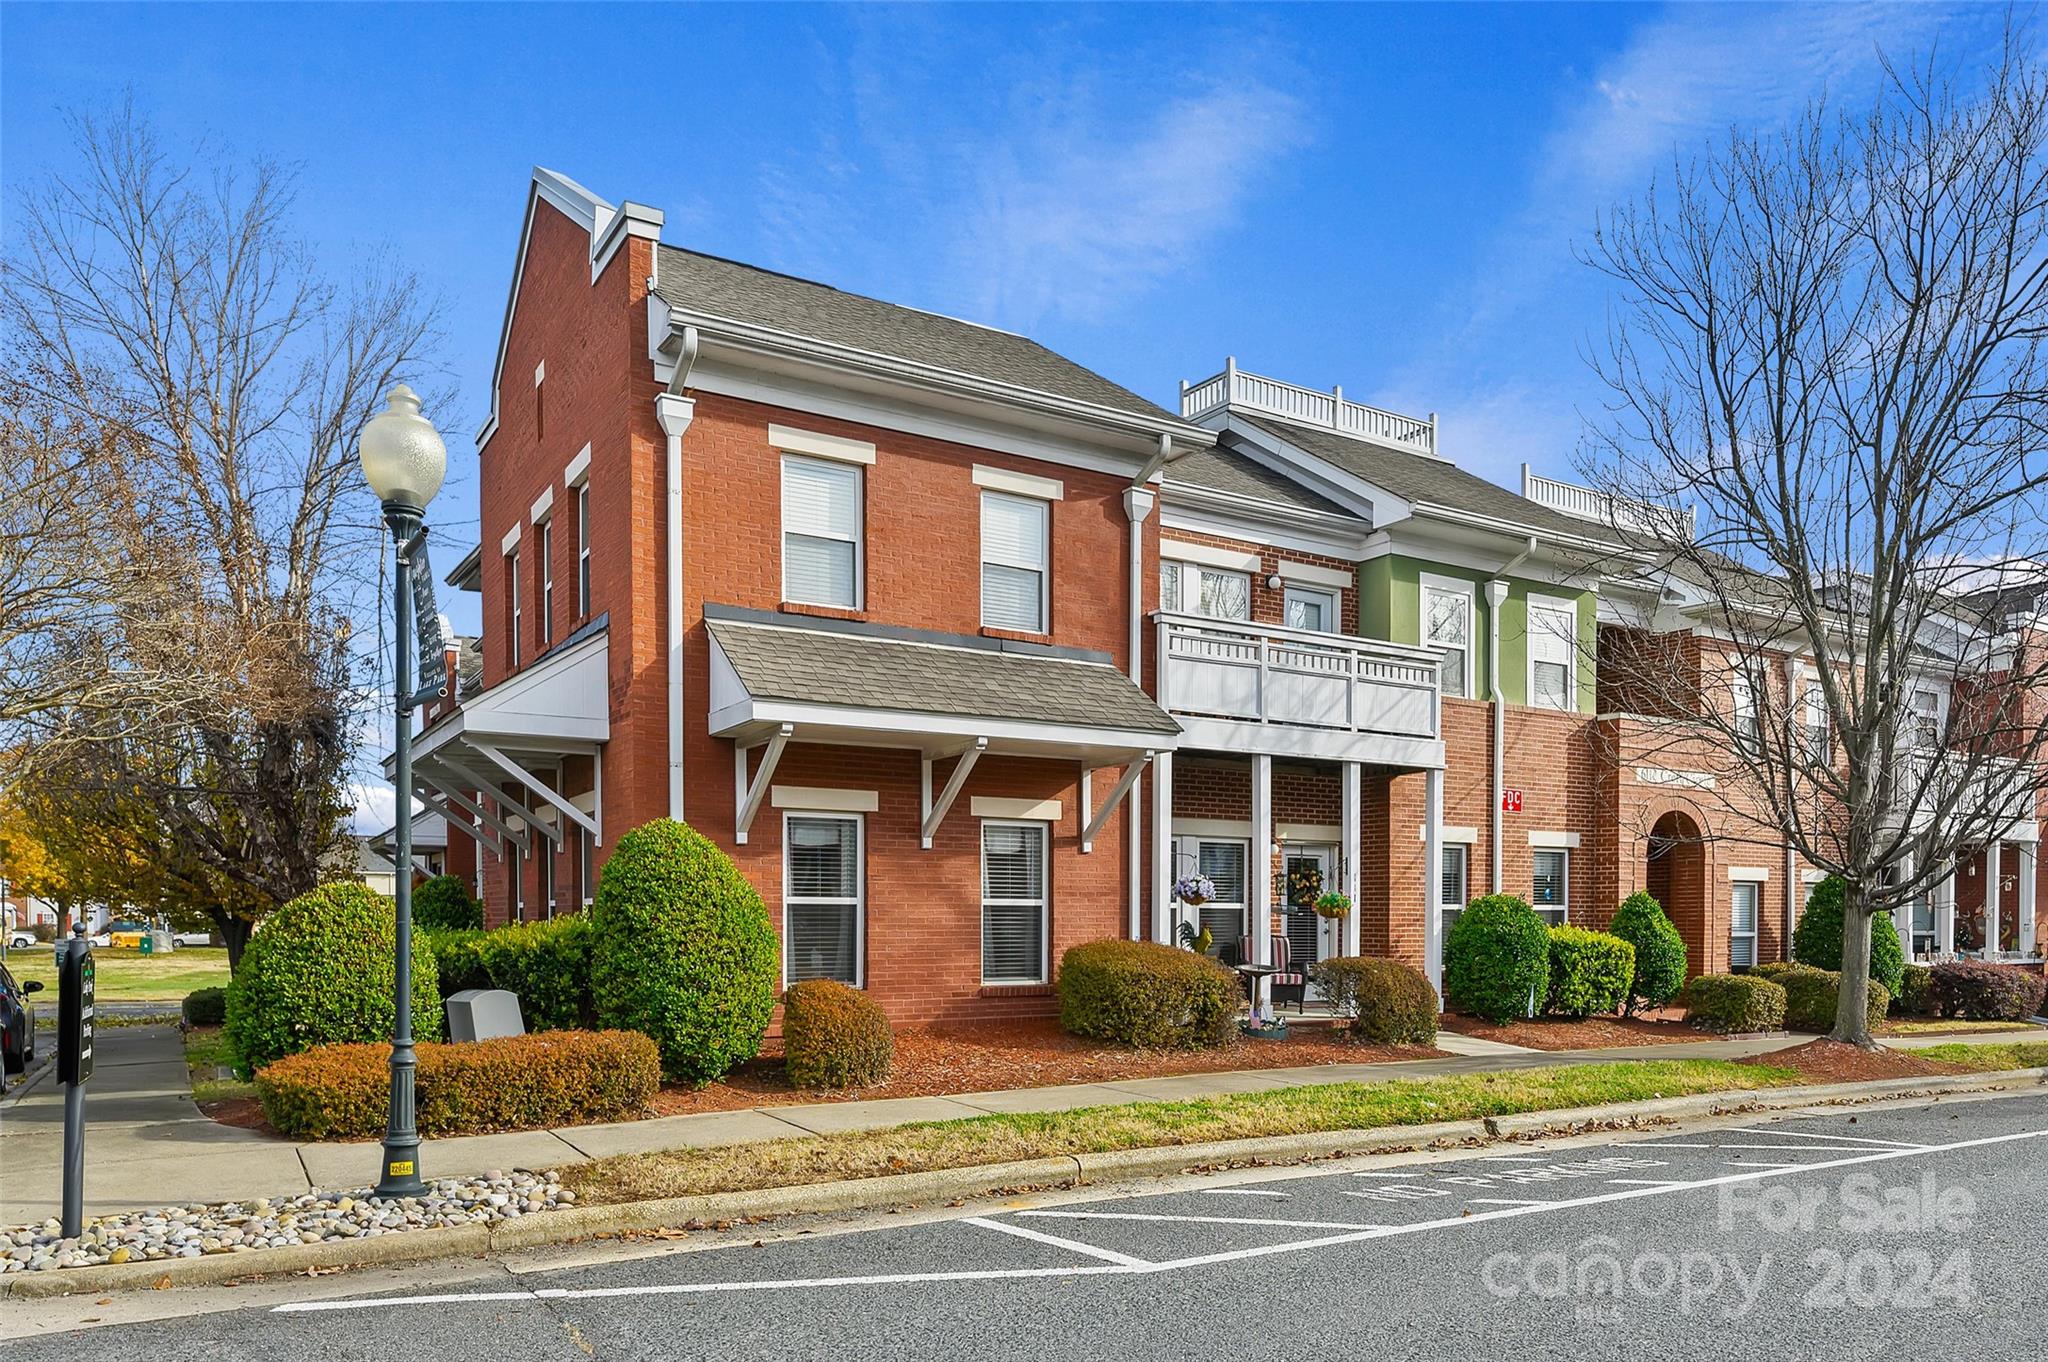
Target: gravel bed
251,1226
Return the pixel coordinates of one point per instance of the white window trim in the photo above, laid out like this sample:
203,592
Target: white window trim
1208,555
1749,872
578,471
1190,602
583,560
543,505
586,874
860,891
540,373
1756,922
1448,833
518,622
1331,601
545,546
1044,570
816,799
1570,609
1554,841
1015,810
860,535
1044,901
821,446
1019,484
511,539
1564,890
1465,849
1309,574
1453,586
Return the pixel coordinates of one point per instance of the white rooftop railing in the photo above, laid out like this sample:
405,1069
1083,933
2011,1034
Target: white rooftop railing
1605,508
1308,406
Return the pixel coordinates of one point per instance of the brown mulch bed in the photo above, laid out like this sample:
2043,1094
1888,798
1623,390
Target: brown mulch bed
245,1112
1831,1061
990,1056
1592,1033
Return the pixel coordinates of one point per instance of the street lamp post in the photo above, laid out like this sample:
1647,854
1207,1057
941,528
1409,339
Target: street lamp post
404,462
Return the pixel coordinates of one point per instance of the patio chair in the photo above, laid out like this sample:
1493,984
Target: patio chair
1284,981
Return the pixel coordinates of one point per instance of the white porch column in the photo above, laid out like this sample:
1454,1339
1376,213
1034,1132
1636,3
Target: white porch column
1433,877
1945,914
1164,928
2027,881
1902,915
1991,897
1349,851
1259,874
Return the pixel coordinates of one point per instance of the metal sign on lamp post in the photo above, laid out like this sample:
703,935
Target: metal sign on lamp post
404,462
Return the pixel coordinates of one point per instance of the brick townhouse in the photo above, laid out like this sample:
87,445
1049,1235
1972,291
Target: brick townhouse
967,654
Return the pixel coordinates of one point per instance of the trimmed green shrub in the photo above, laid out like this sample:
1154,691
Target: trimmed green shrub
1916,993
1771,969
1590,972
833,1036
1979,991
1143,993
1384,1001
1660,951
460,958
548,965
341,1092
444,904
1812,995
205,1007
1817,940
682,950
1497,959
1734,1003
319,972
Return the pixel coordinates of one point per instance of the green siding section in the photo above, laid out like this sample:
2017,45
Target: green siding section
1390,608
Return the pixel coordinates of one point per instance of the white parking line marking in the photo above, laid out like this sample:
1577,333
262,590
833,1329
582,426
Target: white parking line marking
1398,1177
1137,1266
1070,1245
1515,1158
1644,1182
1241,1191
1507,1201
1793,1148
1204,1220
1761,1163
1810,1135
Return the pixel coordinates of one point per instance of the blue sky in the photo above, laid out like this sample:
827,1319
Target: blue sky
1385,197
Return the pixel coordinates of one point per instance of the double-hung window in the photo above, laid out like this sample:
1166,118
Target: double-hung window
1742,915
583,551
1013,903
1553,650
1311,608
547,582
1742,703
1447,627
1551,887
586,866
821,532
512,602
821,898
1923,926
1451,891
1819,739
1016,560
1926,718
1194,589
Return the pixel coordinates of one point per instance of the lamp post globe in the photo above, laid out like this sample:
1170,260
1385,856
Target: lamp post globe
404,462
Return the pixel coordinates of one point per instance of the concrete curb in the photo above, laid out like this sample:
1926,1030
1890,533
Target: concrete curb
581,1222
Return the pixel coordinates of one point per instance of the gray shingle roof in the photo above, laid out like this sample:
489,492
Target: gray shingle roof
709,286
1224,470
827,667
1419,478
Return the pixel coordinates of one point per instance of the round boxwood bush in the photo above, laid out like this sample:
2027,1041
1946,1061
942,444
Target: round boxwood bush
1497,959
1589,972
1812,995
205,1007
1143,993
1916,993
1660,950
833,1036
1817,940
682,951
444,904
320,972
1385,1001
1734,1003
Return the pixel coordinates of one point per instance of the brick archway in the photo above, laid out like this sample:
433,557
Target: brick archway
1675,870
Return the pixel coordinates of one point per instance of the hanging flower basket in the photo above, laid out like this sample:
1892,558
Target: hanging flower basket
1332,905
1304,884
1194,890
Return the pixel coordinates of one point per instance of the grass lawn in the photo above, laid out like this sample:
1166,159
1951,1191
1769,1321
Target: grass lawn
207,1051
1140,1125
1991,1055
1946,1025
127,975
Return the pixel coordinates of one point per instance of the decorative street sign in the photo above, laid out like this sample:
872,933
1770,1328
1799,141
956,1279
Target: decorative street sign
1510,801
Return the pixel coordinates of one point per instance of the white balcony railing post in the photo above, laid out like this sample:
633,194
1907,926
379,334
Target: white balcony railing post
1270,674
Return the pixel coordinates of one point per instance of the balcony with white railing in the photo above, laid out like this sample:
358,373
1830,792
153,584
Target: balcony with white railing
1606,508
1306,692
1307,406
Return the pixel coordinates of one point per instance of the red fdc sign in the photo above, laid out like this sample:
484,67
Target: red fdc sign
1510,801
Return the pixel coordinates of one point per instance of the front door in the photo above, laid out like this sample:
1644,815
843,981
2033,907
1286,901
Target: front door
1309,938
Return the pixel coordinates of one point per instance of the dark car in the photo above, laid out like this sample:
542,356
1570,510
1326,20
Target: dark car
17,1023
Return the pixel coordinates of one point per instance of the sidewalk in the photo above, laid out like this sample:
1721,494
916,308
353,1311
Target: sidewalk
148,1145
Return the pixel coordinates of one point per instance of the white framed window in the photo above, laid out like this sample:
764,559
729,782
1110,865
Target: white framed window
821,532
1447,625
547,582
1013,902
1308,607
1742,705
583,550
823,924
1742,916
1452,894
1819,737
1923,925
1223,864
1553,653
512,602
1926,706
586,866
1550,887
1016,562
1196,589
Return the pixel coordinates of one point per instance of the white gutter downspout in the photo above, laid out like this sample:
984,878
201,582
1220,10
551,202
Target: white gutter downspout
1496,596
1139,500
675,412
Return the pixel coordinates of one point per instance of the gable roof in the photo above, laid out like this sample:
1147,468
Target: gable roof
1227,471
708,286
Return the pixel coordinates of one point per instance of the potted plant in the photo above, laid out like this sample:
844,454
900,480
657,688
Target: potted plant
1194,890
1332,906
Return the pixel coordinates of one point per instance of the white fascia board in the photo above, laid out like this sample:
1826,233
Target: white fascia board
543,505
1318,744
1309,574
1209,555
1204,511
1019,484
578,471
790,440
1018,735
1370,500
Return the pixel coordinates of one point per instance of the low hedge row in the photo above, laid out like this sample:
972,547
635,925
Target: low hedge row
342,1092
834,1036
1916,992
1985,992
1385,1001
1734,1002
1143,993
1590,972
546,963
1812,995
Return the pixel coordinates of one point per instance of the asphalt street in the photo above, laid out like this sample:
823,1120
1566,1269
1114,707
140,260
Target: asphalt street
1891,1231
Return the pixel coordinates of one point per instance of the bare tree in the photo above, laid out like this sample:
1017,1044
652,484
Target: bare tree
1828,352
219,375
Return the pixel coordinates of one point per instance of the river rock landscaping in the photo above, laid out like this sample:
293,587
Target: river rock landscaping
250,1226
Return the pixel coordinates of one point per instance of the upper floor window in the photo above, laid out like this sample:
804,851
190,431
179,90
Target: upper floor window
583,550
1819,740
512,604
1743,707
1447,627
546,548
1553,653
821,532
1926,716
1193,589
1016,555
1311,608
